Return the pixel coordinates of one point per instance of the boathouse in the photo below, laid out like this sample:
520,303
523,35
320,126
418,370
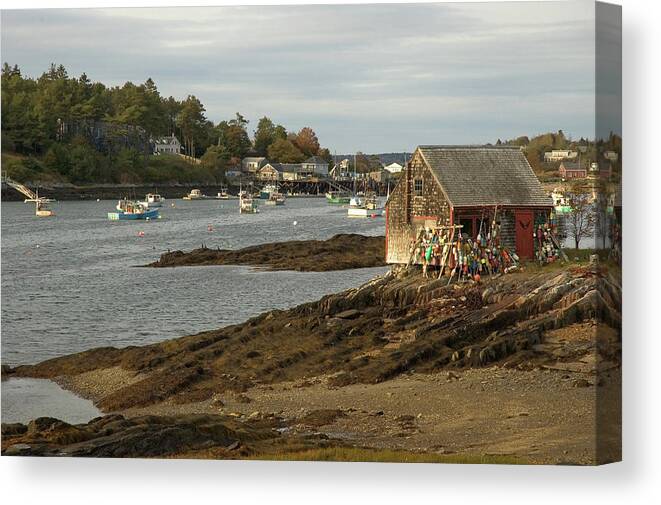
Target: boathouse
471,186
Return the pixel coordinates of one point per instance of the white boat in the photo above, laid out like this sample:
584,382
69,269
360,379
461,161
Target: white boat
153,201
355,202
195,194
246,203
276,198
367,208
223,195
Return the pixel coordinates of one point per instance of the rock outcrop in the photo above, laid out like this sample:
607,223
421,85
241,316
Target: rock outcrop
340,252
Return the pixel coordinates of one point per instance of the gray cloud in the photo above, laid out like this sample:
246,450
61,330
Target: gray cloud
368,77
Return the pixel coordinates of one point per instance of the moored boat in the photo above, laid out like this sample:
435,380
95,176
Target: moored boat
223,194
367,208
195,194
247,203
153,201
266,191
131,210
337,197
276,198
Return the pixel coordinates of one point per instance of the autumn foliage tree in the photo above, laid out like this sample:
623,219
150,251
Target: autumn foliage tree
284,151
307,142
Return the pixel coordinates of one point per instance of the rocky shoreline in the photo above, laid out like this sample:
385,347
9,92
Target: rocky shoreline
341,252
512,367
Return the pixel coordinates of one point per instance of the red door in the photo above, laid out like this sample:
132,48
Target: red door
524,233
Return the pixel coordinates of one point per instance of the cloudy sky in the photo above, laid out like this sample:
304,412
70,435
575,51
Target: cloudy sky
375,78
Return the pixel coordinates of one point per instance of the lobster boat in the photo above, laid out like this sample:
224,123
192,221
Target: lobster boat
276,198
153,201
338,197
131,210
367,208
246,203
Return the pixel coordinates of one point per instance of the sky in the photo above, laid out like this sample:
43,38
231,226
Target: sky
371,78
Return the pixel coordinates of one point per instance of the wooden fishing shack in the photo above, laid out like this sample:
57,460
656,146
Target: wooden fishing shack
476,187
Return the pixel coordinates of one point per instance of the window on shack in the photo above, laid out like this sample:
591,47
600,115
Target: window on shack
417,187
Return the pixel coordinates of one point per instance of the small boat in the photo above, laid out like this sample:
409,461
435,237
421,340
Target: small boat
223,194
42,210
247,203
276,198
337,197
153,200
195,194
41,206
130,210
266,191
560,201
368,208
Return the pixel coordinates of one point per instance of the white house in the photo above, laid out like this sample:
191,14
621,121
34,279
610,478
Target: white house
560,155
167,145
394,168
253,164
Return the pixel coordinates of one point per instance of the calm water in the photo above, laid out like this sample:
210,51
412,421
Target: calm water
27,399
69,282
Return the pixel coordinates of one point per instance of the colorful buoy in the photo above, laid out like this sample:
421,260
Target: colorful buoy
141,234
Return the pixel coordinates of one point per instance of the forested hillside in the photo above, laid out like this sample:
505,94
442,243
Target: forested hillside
69,129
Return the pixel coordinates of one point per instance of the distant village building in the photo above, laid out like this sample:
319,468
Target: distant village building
280,172
444,185
569,170
379,176
611,155
167,145
315,165
560,155
394,168
253,164
340,170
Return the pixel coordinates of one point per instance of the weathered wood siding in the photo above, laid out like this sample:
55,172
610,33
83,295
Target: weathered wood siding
407,213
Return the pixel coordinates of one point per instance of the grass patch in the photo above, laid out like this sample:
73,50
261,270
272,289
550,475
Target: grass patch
357,454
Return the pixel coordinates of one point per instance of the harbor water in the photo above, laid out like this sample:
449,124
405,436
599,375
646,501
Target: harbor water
72,282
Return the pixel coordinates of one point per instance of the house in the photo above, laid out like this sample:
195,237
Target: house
569,170
379,176
315,165
560,155
467,186
340,171
394,168
167,145
280,172
270,172
253,164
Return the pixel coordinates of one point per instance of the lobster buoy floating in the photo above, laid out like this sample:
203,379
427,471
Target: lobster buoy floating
141,234
209,228
295,223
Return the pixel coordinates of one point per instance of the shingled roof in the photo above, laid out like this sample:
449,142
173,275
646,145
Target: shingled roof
474,176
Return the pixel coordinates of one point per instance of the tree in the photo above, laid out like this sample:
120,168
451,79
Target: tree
215,160
307,142
191,121
284,151
233,137
267,133
581,218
